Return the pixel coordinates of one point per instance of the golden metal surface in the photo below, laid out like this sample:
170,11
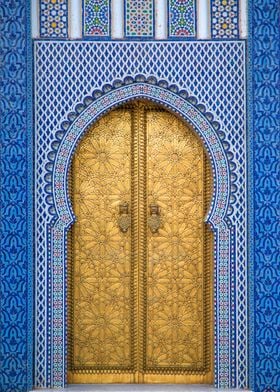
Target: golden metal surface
140,292
175,272
154,220
124,217
102,276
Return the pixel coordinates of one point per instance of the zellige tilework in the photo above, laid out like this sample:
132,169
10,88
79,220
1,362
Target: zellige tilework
53,18
224,18
139,18
181,64
96,18
17,265
182,18
264,147
16,209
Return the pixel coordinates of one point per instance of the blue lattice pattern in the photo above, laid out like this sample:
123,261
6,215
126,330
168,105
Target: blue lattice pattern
53,18
96,18
182,64
224,18
265,46
139,18
181,18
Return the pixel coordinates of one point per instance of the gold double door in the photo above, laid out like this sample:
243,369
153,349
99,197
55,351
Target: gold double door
140,273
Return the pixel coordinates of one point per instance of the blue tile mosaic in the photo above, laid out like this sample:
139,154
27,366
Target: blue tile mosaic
96,18
224,18
181,18
16,258
53,18
264,47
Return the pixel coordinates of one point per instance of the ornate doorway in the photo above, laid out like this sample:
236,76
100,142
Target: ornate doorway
140,281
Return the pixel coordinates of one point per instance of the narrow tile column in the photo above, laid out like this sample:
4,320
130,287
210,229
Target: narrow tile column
203,19
75,19
161,19
35,25
117,19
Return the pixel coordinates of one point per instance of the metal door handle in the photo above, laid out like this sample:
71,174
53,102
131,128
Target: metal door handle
124,220
154,220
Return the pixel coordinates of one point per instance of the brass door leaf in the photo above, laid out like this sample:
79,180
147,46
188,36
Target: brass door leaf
140,254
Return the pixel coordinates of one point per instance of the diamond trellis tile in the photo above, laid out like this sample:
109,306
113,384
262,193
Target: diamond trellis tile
213,72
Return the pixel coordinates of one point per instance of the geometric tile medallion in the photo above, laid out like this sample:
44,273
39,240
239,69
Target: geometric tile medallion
96,15
53,18
139,18
181,18
224,19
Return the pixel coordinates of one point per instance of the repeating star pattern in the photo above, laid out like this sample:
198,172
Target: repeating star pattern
175,313
101,302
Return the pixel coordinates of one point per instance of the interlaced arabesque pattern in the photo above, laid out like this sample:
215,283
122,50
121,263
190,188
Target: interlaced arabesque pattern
66,72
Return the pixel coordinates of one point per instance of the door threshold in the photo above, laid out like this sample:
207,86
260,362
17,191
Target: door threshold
139,388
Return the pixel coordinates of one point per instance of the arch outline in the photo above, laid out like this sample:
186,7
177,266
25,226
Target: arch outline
63,148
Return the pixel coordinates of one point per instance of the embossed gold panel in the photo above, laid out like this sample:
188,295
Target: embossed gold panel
140,254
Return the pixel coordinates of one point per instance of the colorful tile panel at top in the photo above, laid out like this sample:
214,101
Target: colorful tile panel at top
224,18
96,15
139,18
53,18
181,15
